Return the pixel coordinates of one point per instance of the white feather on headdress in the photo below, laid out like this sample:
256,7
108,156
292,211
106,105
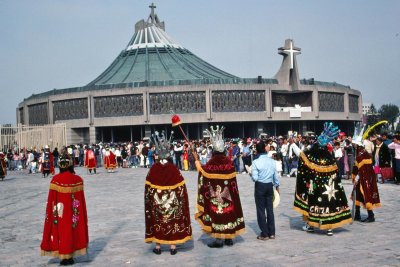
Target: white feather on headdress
216,137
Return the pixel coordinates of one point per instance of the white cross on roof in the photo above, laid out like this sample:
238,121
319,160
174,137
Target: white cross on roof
291,52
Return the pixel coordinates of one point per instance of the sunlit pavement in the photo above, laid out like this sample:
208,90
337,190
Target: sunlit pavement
115,207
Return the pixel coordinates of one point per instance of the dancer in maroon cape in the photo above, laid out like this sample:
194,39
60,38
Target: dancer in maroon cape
166,201
65,231
366,187
3,166
219,210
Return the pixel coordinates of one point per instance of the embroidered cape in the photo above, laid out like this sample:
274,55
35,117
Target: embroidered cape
366,188
320,195
219,210
166,202
65,231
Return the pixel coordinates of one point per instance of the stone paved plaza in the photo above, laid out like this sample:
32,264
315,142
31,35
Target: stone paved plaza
116,228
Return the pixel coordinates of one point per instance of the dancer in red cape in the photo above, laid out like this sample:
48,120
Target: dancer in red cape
90,160
65,231
110,162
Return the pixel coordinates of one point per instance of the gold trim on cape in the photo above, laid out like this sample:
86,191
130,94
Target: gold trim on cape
167,242
319,168
66,189
214,175
368,205
168,187
362,163
208,230
324,226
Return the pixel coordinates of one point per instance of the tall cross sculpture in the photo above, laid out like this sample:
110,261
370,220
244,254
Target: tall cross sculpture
291,51
152,6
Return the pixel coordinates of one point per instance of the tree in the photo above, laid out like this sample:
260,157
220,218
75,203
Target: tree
372,116
390,113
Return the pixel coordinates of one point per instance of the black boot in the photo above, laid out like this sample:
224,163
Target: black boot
228,242
371,217
69,261
357,216
218,243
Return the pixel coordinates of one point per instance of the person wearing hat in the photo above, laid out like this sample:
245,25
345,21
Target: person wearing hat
265,176
65,232
219,210
3,166
167,215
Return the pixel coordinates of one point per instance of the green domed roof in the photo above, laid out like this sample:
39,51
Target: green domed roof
152,55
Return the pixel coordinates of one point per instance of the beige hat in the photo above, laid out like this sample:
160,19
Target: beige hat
276,199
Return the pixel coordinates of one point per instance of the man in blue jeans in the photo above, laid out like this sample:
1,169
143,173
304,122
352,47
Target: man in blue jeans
263,173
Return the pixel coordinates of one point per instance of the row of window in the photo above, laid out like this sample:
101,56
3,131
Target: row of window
182,102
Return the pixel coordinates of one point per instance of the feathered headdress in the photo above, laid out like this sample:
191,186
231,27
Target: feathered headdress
216,137
162,144
360,135
370,129
329,133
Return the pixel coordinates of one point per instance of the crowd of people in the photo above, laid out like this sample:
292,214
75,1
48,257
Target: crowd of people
318,163
382,148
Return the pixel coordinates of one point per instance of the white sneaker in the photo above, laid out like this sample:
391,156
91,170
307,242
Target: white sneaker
308,228
329,232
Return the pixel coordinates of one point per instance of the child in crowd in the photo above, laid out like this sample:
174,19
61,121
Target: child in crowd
278,161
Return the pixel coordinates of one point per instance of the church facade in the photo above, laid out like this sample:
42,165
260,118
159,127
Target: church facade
155,77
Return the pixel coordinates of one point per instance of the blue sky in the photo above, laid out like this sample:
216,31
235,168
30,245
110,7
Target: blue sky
47,44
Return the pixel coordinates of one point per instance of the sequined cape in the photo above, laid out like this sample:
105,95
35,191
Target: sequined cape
166,202
65,231
320,195
366,187
219,210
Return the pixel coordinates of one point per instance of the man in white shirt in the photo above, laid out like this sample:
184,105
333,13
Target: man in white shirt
369,145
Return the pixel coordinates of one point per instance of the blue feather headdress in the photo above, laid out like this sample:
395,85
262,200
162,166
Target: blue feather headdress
329,133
